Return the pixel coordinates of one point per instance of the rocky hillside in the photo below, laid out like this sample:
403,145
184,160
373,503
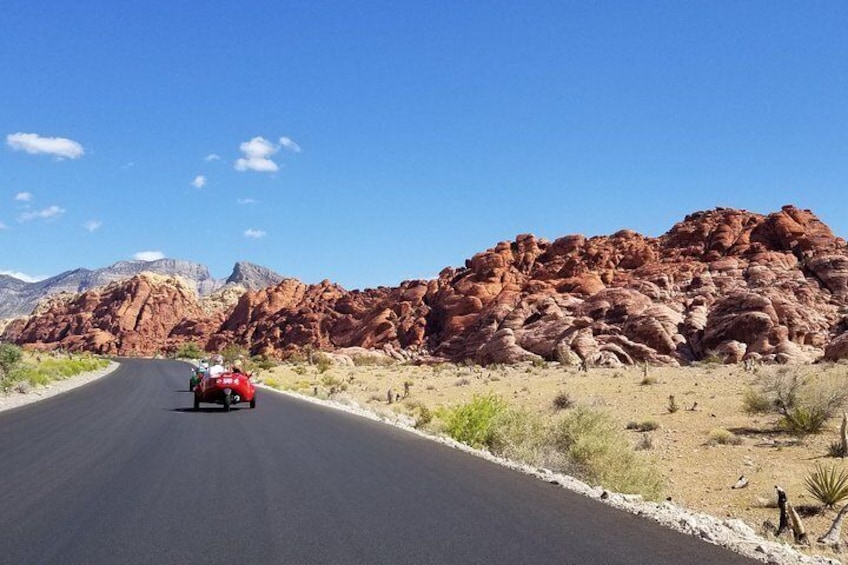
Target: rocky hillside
723,282
19,298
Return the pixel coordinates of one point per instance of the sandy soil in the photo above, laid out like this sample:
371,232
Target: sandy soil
698,476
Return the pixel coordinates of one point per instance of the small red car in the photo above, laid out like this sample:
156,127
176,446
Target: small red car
228,389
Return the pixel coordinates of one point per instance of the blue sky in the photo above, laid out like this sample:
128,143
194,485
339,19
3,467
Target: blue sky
371,142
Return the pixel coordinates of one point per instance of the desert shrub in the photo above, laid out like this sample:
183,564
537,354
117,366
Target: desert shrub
835,450
372,359
50,369
721,436
804,420
10,356
712,358
756,402
263,362
323,362
420,412
189,350
643,426
599,453
539,363
472,423
234,354
300,370
462,382
272,382
672,405
804,403
295,358
646,442
333,384
826,486
562,401
518,434
648,380
648,425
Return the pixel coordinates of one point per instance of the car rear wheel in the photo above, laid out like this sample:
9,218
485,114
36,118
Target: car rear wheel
228,399
196,403
253,401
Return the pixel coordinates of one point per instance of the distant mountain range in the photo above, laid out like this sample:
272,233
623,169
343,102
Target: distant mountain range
19,298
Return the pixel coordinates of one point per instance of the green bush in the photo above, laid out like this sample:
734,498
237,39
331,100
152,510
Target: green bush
520,435
472,423
50,369
721,436
234,354
10,356
826,486
367,360
263,362
803,420
643,426
804,402
189,350
323,362
756,402
598,452
563,401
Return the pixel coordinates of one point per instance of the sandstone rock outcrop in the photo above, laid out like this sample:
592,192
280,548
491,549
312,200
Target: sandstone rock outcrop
726,282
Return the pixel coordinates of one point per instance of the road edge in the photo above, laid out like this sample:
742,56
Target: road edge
13,400
732,534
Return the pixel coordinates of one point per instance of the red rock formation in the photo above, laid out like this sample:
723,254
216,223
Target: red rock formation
725,281
134,317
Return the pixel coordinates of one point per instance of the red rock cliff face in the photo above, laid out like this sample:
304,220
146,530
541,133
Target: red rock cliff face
136,316
729,282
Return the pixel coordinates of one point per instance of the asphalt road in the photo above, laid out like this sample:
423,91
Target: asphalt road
120,471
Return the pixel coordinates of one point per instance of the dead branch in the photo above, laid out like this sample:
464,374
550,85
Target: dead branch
783,526
833,537
798,529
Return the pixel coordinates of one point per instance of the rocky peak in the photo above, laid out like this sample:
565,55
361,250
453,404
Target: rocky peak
253,277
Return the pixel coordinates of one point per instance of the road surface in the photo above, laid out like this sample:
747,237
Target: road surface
121,471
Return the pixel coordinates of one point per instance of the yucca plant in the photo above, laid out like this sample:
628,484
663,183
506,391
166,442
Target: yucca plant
827,486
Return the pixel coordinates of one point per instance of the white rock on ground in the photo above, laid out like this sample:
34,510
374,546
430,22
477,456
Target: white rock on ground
734,535
14,399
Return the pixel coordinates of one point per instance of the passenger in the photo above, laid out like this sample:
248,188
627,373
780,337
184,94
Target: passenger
217,368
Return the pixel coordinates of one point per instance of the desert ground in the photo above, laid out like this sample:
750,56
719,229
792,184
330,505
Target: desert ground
697,473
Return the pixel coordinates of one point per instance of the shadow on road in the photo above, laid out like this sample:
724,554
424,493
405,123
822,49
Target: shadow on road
205,409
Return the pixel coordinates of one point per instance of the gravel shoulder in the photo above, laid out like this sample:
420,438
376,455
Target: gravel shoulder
13,399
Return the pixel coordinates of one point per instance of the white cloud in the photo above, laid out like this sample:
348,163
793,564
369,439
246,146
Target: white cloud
148,256
92,225
257,156
246,201
33,143
287,143
127,166
3,226
23,197
45,214
199,181
23,276
212,157
255,234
